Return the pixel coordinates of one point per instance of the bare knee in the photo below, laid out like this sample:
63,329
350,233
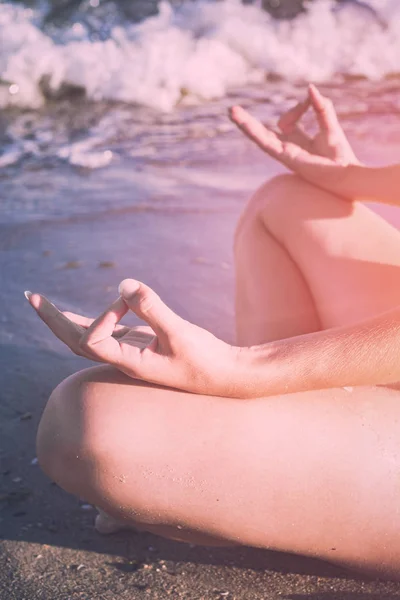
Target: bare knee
66,440
98,426
285,203
272,197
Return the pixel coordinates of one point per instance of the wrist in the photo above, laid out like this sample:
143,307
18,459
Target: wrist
268,369
308,362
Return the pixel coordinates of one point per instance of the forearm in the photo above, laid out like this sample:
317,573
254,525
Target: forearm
370,184
364,354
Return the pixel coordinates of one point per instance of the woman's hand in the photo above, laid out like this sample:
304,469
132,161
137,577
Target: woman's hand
144,333
177,354
322,160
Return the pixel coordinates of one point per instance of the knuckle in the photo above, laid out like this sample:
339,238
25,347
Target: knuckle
289,148
283,119
84,344
246,128
145,301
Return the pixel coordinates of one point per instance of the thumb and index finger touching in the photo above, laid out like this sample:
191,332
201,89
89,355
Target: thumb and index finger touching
272,143
148,306
322,107
145,303
94,338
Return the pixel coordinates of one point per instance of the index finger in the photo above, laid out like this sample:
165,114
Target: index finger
289,119
98,338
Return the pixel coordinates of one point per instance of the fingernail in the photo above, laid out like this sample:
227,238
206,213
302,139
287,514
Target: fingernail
128,287
27,294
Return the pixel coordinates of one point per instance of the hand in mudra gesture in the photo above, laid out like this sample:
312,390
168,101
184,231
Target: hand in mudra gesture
169,351
320,159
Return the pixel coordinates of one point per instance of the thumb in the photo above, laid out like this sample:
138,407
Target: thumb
148,306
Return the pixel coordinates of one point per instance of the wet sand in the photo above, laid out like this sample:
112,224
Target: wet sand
49,549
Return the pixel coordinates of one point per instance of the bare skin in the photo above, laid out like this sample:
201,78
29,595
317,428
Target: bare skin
327,160
314,471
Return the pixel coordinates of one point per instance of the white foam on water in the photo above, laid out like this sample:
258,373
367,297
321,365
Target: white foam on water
83,154
199,50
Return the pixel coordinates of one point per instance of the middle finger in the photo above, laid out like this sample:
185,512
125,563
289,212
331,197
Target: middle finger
290,118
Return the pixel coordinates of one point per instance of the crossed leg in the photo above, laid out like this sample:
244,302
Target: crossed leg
316,473
307,260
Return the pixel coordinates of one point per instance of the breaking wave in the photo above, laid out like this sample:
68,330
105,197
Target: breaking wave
192,52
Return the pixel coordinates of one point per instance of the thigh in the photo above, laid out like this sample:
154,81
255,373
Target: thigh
301,472
349,255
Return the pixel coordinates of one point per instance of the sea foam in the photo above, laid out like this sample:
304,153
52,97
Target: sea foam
197,51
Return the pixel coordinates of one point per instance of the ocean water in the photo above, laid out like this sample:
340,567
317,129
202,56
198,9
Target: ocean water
100,112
